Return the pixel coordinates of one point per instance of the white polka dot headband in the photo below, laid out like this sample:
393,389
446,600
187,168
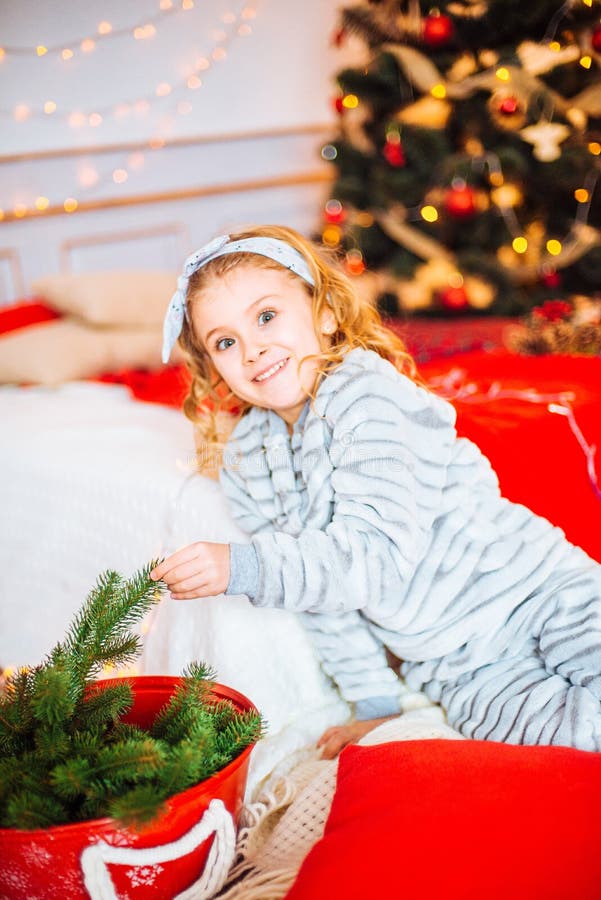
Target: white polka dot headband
279,251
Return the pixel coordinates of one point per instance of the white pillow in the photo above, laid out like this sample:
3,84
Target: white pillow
126,297
66,350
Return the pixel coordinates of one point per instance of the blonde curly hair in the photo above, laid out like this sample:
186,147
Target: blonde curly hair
210,405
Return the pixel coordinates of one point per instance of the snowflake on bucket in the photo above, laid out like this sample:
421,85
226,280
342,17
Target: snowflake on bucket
144,876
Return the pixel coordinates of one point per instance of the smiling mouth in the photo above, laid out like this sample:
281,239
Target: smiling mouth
270,372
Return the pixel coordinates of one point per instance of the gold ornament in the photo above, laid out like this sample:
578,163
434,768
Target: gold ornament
413,295
577,117
546,138
426,112
507,196
463,67
537,58
488,58
480,293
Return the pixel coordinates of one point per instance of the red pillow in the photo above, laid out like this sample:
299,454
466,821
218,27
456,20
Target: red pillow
460,820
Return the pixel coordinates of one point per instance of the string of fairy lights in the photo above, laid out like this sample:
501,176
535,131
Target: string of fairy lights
175,97
461,200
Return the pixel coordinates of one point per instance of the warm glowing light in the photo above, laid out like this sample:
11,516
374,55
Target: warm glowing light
77,119
586,62
245,30
2,53
163,89
95,119
143,32
67,54
49,107
218,54
156,143
506,196
249,12
88,176
104,28
438,91
201,64
554,247
218,35
42,203
165,4
555,45
329,152
331,235
122,110
228,18
502,74
194,82
87,45
41,50
22,112
184,107
595,148
20,210
354,262
581,195
120,176
333,207
588,2
520,244
496,179
136,161
187,4
70,204
350,101
1,218
429,213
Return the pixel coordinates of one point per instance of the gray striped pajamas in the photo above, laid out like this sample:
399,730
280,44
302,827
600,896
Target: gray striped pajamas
382,528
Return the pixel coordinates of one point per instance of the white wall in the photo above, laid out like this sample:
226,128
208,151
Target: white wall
262,113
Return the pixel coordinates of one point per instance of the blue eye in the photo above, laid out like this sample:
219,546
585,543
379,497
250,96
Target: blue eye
266,316
224,343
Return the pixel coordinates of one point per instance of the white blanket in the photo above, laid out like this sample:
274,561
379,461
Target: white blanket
91,479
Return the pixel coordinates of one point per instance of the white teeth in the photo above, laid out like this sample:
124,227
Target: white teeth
271,371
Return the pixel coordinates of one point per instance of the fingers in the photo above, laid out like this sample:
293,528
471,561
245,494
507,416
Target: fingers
335,739
167,566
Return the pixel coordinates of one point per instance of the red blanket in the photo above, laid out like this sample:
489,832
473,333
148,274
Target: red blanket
544,459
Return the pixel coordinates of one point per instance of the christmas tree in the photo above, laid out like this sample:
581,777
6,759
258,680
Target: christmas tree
65,754
468,154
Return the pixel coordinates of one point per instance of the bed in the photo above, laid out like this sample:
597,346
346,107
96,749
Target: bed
98,471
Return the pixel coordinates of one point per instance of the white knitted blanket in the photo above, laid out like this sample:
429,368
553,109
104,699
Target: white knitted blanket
91,479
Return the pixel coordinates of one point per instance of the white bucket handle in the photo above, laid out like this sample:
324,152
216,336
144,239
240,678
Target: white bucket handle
95,858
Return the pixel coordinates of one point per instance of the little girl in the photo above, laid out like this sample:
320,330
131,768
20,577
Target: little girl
369,516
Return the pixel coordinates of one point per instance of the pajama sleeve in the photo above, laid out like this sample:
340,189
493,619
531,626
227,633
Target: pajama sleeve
387,459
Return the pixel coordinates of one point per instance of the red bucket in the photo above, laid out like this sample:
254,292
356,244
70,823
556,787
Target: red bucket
47,863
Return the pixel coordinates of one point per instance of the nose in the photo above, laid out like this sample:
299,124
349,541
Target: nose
252,351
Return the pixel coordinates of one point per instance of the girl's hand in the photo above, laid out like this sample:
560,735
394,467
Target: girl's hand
198,570
335,739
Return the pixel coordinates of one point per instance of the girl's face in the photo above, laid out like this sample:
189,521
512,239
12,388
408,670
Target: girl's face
257,325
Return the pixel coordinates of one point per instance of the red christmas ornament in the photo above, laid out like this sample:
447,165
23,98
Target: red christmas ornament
460,202
551,279
338,105
393,153
454,298
596,39
438,30
509,106
553,310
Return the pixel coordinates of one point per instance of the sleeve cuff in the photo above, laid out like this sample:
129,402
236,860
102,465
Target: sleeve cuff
244,570
377,707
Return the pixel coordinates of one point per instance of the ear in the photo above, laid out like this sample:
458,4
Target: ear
328,324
